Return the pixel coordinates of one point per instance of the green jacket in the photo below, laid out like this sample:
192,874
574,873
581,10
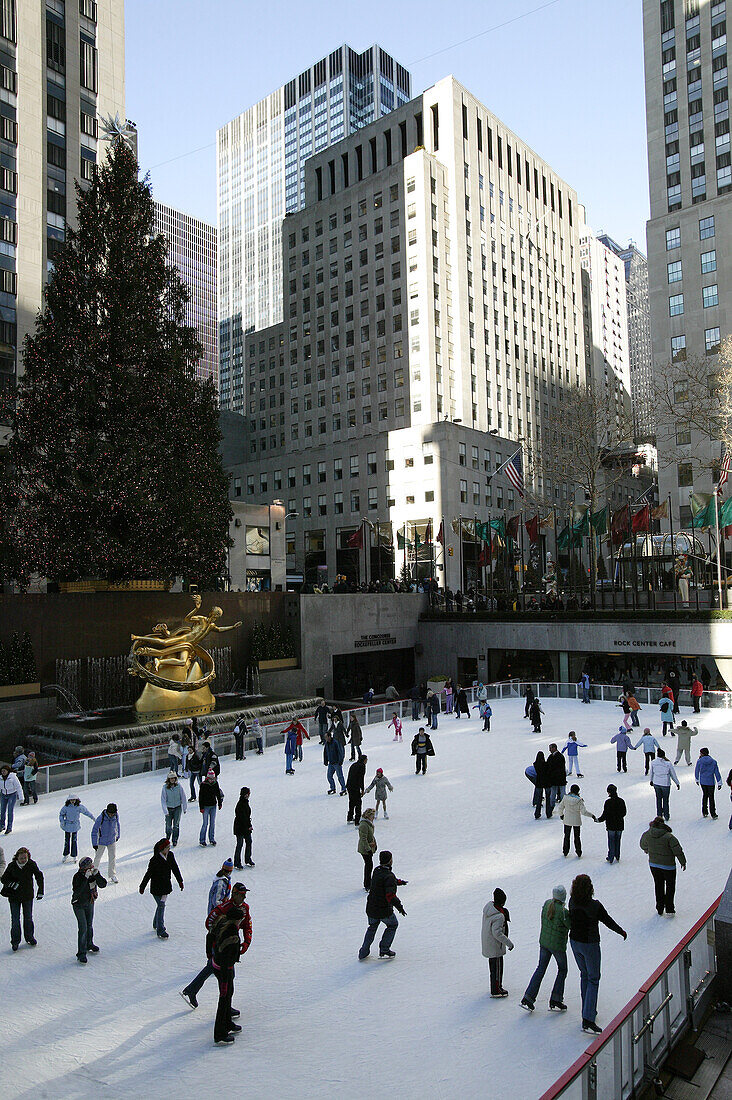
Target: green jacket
554,929
662,847
366,838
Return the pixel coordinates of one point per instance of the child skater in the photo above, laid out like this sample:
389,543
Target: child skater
396,722
381,783
572,754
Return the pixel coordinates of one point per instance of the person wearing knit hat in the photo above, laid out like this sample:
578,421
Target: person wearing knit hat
85,885
382,784
613,814
553,937
104,836
173,802
221,885
210,796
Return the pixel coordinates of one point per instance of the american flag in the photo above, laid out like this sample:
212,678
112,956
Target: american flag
515,472
724,470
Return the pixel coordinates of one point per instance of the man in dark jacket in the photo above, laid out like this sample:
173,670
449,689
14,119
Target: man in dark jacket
17,880
240,732
226,949
160,870
355,785
209,760
210,796
236,901
321,716
421,749
333,756
85,885
243,829
380,906
613,814
556,778
416,702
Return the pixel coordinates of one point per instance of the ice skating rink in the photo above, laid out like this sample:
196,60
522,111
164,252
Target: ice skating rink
317,1022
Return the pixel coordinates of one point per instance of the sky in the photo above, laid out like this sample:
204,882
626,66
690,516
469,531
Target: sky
565,75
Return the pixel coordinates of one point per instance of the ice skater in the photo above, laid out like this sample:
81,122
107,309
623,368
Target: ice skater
17,882
355,784
333,757
10,791
235,901
104,836
585,915
396,722
535,713
367,844
662,773
243,829
381,783
650,747
666,708
421,749
173,802
613,814
160,870
663,849
210,797
553,937
85,886
69,817
684,734
494,939
380,905
571,749
571,810
622,743
221,886
706,774
355,735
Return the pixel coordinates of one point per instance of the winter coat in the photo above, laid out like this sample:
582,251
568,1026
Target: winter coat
622,742
321,713
69,817
666,708
209,759
105,830
554,929
355,731
697,689
649,743
19,763
482,693
422,747
291,743
381,783
210,794
633,702
225,942
172,797
572,746
494,939
338,733
356,779
83,887
245,926
556,770
220,891
159,874
193,763
18,881
662,847
662,772
684,735
572,808
613,813
30,770
461,701
174,749
433,704
366,838
11,785
383,898
585,921
706,771
333,752
539,777
242,817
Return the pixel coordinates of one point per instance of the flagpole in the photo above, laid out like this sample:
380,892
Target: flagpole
673,553
460,540
521,569
490,558
716,529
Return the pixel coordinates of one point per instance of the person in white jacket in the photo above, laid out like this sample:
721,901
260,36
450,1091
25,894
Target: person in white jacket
173,801
571,810
662,772
175,753
494,939
10,792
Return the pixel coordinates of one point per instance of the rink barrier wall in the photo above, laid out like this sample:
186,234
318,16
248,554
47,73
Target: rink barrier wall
633,1047
150,758
601,693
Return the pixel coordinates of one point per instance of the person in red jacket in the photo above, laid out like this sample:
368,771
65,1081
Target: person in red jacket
301,732
226,950
697,689
238,894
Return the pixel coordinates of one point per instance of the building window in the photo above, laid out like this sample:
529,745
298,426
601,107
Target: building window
250,485
709,261
337,469
306,475
711,340
371,462
675,305
673,238
706,227
373,498
681,390
321,473
307,507
354,465
338,503
462,457
355,501
710,296
674,271
683,436
322,507
463,492
237,486
678,348
686,475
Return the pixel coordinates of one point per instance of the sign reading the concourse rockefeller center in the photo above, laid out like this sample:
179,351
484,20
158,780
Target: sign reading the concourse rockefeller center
367,640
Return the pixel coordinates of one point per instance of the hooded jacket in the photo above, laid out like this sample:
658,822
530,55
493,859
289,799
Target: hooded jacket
649,743
706,771
422,747
662,772
83,887
381,783
210,794
366,837
494,938
571,809
11,785
69,817
355,730
684,735
173,796
622,742
613,814
333,752
105,830
554,928
242,817
556,769
662,847
383,899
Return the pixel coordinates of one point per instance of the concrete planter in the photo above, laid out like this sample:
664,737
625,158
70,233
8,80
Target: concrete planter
16,691
279,663
436,685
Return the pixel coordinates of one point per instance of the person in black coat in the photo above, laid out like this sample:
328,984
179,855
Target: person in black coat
535,713
380,906
529,698
613,814
355,783
541,786
556,778
243,829
675,684
17,880
159,874
461,703
85,885
226,949
421,749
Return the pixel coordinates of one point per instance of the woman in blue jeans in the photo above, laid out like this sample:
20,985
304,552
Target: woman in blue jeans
159,874
10,792
585,915
552,945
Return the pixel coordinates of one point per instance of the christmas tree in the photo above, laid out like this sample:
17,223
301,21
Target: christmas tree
114,464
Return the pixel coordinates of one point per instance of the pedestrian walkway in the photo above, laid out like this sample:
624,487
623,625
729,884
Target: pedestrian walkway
713,1079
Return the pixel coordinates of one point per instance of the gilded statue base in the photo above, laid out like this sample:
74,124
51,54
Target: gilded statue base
158,704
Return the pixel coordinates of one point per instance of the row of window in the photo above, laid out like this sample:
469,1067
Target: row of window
708,264
706,230
711,344
710,297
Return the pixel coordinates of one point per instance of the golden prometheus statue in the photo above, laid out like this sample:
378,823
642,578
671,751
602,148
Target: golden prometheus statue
176,669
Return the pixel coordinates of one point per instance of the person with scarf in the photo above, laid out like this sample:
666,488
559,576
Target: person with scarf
85,887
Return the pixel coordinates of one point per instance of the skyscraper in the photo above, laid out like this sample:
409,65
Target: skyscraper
261,158
192,248
605,303
690,177
62,68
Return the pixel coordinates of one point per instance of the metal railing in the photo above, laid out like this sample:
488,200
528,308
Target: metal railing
633,1047
601,693
151,758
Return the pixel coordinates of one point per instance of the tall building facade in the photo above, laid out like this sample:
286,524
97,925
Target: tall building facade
606,323
261,158
690,178
432,317
62,67
192,248
639,336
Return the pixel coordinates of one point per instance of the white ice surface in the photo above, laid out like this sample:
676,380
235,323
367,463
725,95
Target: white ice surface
317,1023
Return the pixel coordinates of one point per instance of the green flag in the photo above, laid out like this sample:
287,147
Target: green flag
725,513
483,531
702,510
563,538
598,521
499,526
402,543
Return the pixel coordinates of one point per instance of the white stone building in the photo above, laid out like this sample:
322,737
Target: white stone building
606,316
